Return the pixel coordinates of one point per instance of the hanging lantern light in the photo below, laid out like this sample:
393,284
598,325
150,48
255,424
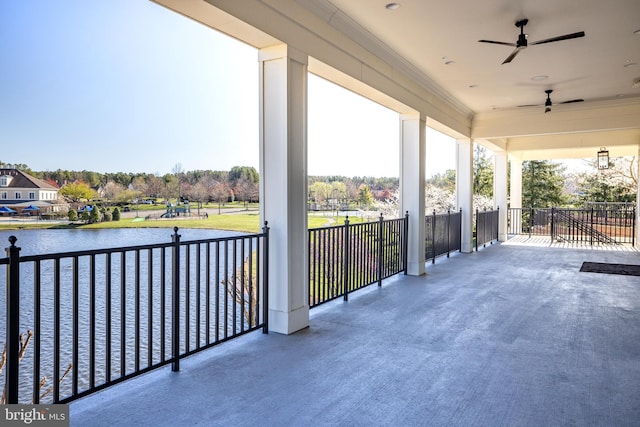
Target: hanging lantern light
603,158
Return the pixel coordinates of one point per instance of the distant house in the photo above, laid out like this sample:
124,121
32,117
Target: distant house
19,189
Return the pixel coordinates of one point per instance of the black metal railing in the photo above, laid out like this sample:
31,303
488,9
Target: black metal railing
594,225
443,234
348,257
534,222
486,227
598,224
99,317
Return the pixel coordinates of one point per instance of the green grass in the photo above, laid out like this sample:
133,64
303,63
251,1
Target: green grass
249,222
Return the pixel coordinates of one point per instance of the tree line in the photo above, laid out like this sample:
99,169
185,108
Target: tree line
545,183
241,183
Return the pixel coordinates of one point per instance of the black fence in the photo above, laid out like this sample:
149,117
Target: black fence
608,224
78,322
486,227
443,234
345,258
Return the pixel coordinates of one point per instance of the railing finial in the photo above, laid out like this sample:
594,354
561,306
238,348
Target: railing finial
13,240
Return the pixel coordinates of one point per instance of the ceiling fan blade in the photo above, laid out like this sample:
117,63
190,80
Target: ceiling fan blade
495,42
559,38
572,101
513,55
531,105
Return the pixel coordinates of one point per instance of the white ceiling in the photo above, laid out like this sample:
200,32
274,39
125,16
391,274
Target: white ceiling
430,33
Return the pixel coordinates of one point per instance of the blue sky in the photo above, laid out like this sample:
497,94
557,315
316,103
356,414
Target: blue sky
126,85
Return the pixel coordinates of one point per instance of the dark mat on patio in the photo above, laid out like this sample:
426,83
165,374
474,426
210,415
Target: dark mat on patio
600,267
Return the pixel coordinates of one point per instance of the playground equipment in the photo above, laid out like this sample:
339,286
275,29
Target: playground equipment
177,210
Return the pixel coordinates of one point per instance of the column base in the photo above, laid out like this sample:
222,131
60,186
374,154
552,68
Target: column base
415,268
288,322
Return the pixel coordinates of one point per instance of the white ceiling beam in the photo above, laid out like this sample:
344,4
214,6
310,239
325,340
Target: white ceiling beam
593,117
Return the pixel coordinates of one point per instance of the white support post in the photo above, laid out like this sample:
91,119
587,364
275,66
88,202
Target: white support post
413,131
283,183
464,190
515,190
500,192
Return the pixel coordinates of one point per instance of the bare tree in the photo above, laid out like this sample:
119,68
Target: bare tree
199,194
25,339
155,186
112,190
220,192
246,190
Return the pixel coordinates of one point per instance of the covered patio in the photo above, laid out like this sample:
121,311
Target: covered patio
424,61
511,335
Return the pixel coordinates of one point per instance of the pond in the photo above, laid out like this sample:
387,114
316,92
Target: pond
37,242
132,290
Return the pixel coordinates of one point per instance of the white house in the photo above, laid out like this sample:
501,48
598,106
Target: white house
17,187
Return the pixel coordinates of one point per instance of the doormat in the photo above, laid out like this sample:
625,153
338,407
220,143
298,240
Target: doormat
599,267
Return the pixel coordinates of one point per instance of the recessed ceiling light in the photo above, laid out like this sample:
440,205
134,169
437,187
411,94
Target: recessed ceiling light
539,78
473,86
636,84
630,64
449,62
392,6
637,32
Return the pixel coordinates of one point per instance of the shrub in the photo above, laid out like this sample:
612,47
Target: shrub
94,215
116,214
73,215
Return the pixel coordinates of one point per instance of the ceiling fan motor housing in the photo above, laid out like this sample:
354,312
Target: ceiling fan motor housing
522,38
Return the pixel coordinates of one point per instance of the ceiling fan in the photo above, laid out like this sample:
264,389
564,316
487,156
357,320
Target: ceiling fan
522,42
547,104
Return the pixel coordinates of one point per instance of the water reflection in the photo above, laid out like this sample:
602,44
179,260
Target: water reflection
129,285
34,242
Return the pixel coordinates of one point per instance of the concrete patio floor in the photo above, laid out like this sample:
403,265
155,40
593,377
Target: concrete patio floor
513,335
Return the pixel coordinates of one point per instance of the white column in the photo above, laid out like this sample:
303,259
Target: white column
413,132
283,183
515,190
464,190
500,192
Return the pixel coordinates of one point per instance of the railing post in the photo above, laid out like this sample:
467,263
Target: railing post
448,231
433,238
459,231
405,243
346,254
380,252
633,227
175,295
497,229
553,231
13,321
265,280
484,229
591,228
477,227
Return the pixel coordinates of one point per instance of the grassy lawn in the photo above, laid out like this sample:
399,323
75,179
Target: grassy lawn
235,222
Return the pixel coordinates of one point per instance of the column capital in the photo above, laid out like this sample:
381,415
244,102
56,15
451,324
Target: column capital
282,51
